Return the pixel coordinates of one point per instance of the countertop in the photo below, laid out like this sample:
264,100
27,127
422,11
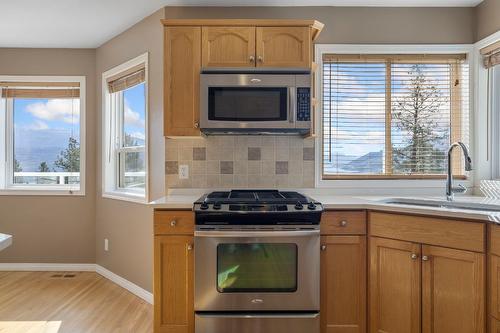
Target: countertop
183,199
5,241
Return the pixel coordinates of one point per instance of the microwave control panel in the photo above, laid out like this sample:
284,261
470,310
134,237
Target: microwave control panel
303,104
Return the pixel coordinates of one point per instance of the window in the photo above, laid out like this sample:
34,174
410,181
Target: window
392,116
495,106
42,134
125,110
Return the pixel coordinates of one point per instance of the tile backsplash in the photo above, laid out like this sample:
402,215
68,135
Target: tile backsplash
240,162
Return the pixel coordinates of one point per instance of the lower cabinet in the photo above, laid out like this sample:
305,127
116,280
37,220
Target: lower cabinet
173,284
343,284
494,325
420,288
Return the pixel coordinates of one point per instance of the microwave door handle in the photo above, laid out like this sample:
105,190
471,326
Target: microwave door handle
291,104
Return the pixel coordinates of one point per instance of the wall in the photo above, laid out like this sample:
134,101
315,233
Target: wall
129,226
53,229
488,18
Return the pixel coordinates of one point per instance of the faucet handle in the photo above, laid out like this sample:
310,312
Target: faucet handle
459,189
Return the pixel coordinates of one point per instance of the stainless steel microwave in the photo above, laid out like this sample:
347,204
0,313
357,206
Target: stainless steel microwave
255,103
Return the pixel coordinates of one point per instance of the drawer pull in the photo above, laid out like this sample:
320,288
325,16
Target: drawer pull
343,223
414,256
173,223
190,247
425,258
252,58
323,247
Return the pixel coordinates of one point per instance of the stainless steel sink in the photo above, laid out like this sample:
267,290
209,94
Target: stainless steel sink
443,204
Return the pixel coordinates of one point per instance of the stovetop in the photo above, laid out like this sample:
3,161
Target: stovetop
257,207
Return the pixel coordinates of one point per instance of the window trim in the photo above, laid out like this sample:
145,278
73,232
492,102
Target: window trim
109,172
495,121
382,181
6,151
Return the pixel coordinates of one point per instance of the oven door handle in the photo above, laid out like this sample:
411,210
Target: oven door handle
256,234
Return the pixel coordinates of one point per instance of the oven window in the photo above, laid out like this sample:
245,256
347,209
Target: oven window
256,267
247,104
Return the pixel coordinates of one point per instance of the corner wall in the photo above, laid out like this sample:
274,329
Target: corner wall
487,18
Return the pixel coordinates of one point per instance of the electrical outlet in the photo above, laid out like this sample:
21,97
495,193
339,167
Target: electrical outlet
183,171
106,244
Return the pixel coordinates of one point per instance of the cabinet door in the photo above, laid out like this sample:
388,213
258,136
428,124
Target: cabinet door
394,286
182,80
494,275
173,284
228,46
452,291
343,284
494,325
284,47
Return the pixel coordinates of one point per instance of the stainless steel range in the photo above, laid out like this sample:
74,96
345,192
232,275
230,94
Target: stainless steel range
257,259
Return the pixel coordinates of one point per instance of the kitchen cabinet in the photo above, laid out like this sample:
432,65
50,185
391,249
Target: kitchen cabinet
406,276
182,65
343,284
494,277
494,326
173,274
284,47
394,286
228,46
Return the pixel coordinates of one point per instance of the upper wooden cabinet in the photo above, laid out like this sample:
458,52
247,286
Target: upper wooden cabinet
228,46
182,80
284,47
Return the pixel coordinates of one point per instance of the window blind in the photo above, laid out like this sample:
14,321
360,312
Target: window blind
58,90
491,55
392,116
127,79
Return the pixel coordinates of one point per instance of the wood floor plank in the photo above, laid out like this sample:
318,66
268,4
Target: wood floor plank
49,302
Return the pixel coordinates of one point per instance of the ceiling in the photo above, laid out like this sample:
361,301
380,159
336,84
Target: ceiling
90,23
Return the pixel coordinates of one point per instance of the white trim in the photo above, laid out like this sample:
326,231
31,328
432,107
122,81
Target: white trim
124,283
9,189
109,174
55,267
401,186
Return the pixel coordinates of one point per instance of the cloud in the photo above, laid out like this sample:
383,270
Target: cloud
138,135
37,125
133,118
65,110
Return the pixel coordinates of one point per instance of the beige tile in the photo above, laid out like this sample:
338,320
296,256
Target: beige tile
267,153
199,181
282,142
296,154
297,142
282,181
268,141
201,142
254,141
186,153
308,154
295,180
254,154
213,153
240,181
266,181
282,153
309,142
254,167
199,153
184,142
268,168
199,168
295,168
241,141
308,174
227,142
213,167
281,167
185,183
227,154
171,167
172,181
171,153
226,167
213,181
240,167
227,181
240,153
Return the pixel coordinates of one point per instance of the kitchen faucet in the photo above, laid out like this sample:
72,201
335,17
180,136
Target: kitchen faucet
450,190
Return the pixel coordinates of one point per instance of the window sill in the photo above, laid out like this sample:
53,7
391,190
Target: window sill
128,196
30,191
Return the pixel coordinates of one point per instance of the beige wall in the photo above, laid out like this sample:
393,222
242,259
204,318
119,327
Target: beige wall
488,18
360,24
129,226
53,229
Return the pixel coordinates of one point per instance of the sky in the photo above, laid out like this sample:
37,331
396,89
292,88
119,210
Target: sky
42,127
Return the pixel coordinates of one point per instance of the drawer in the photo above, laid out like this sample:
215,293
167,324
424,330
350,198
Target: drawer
170,222
345,222
455,234
494,239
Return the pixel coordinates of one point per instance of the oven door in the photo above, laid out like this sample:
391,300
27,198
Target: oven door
247,101
257,270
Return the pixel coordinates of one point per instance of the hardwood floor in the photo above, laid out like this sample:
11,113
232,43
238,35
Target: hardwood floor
55,302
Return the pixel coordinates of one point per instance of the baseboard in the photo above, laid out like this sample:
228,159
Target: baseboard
124,283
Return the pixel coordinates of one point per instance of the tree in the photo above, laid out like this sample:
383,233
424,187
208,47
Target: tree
69,159
415,115
43,167
17,166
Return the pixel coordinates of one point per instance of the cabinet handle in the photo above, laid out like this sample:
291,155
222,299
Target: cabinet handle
425,258
196,124
343,223
414,256
260,58
173,223
190,247
252,58
323,247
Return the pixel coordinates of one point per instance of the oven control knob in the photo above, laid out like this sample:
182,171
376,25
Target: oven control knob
217,205
298,206
311,206
204,205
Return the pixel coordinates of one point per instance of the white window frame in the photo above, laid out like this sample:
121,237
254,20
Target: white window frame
403,186
6,145
111,135
495,122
